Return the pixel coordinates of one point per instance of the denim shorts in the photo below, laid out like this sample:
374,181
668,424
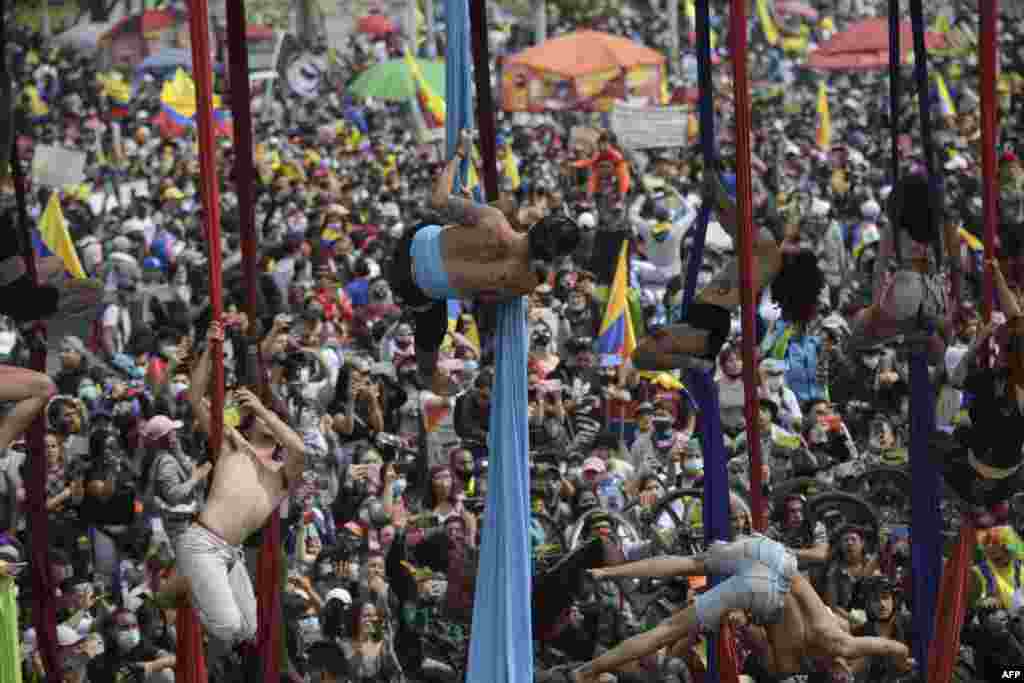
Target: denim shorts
428,264
760,574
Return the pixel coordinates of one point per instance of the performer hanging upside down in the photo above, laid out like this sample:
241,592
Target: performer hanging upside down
983,462
482,254
797,633
912,302
793,274
248,485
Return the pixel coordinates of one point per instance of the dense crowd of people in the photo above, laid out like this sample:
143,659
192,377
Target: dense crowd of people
358,400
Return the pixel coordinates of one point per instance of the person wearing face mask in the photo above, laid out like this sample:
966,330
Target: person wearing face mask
128,654
473,409
773,386
174,481
884,446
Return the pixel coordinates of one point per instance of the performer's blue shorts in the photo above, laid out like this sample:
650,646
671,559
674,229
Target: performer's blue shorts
428,264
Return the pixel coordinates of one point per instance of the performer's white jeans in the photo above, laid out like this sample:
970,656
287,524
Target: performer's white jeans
222,591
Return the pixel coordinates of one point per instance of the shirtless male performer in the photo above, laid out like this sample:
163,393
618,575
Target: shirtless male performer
798,633
696,341
483,252
248,485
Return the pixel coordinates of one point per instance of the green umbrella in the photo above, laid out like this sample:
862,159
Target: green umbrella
393,81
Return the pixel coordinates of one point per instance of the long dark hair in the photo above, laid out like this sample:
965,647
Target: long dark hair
798,286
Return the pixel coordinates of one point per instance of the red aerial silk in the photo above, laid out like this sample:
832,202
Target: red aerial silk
268,583
191,664
949,619
728,666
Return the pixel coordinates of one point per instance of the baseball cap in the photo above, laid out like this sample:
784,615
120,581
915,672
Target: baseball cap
67,636
73,344
339,594
160,426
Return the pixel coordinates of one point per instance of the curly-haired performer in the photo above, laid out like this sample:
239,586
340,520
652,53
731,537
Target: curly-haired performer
479,255
798,633
793,274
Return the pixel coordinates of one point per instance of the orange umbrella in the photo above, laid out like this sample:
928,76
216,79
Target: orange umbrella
586,52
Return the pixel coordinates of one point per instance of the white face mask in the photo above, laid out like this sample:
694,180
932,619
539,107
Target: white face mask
128,640
774,383
353,572
871,362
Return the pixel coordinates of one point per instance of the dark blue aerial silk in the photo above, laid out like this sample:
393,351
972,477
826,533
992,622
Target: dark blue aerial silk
701,384
926,515
501,646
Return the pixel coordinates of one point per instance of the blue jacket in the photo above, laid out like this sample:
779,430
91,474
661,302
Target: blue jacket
801,356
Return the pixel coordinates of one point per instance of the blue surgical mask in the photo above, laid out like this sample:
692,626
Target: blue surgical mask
398,488
128,640
693,466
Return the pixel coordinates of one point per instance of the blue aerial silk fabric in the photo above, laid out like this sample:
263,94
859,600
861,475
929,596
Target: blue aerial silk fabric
926,516
501,647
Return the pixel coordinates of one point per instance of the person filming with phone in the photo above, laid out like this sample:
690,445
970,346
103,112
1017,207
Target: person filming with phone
358,405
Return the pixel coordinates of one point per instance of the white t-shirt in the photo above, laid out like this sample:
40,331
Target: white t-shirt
117,317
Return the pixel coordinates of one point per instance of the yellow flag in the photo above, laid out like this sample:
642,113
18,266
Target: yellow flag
824,119
771,33
948,108
53,231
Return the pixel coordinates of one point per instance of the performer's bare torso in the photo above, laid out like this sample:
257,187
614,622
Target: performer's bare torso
247,486
807,631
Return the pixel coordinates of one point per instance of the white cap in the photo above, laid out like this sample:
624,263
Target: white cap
339,594
870,209
820,208
586,221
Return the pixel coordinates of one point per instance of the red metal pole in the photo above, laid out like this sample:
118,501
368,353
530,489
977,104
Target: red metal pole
202,72
989,181
745,251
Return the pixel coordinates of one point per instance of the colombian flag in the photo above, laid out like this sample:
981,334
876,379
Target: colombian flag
616,340
824,119
118,93
52,238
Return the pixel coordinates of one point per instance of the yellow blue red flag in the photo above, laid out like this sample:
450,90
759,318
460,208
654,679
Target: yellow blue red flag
616,340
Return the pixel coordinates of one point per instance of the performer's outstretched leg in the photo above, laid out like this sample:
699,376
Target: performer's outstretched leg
29,390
